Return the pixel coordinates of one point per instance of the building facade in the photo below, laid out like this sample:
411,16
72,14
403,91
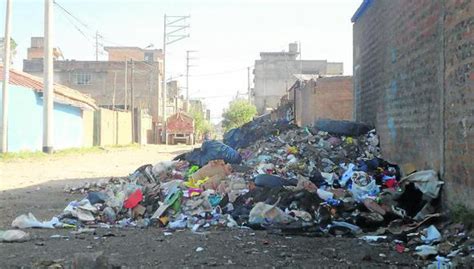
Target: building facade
128,70
274,75
73,115
413,80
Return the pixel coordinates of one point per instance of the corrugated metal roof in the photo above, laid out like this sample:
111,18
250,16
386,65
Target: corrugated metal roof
63,94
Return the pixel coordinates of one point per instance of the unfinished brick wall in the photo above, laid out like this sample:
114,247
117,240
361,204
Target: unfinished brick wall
135,53
459,100
412,80
333,98
324,98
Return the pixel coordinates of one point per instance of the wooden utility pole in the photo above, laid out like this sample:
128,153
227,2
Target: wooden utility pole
132,103
125,94
113,95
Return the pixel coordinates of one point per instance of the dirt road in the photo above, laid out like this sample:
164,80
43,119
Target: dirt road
109,162
37,186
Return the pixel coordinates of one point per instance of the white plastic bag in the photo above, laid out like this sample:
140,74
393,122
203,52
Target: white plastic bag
29,221
263,213
363,187
14,236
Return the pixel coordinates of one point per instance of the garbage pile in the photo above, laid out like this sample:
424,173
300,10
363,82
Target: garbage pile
300,181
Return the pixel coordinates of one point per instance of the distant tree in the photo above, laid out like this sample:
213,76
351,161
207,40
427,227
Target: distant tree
240,111
201,125
13,46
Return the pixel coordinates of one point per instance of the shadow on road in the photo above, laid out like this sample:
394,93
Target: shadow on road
44,200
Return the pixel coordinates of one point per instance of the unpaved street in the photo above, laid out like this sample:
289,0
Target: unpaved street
37,186
109,162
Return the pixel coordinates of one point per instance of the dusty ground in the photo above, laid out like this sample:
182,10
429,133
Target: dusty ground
37,186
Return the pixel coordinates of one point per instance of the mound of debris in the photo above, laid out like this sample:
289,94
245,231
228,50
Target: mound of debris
290,181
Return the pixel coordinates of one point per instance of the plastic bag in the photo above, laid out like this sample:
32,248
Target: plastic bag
29,221
363,186
426,181
432,235
14,236
263,213
342,127
213,150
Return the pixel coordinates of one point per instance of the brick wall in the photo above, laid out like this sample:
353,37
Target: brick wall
147,81
324,98
333,98
412,63
136,54
459,100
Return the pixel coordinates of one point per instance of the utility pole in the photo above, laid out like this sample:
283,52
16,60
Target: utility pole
126,86
169,37
115,85
248,84
97,45
187,77
132,103
48,90
6,79
165,136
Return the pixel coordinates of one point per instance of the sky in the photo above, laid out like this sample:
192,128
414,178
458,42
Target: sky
228,35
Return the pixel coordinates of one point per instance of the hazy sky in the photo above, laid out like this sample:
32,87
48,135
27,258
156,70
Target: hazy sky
228,34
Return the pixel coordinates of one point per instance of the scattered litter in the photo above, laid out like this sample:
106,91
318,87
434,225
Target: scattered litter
373,238
432,235
327,180
29,221
426,250
11,236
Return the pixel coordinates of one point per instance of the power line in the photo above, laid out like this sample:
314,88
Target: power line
77,28
70,14
89,37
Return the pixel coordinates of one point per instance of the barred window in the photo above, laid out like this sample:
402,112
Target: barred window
83,79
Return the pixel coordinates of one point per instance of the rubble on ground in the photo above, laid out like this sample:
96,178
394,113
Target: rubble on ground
284,179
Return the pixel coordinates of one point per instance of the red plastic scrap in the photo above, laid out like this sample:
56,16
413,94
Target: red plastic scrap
391,183
400,248
134,199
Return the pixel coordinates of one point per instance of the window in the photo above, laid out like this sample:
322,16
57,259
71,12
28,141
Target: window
83,79
149,56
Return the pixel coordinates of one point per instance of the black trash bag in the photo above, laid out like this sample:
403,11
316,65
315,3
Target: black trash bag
271,181
258,128
231,138
213,150
342,127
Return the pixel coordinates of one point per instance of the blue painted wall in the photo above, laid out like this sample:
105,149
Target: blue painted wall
25,122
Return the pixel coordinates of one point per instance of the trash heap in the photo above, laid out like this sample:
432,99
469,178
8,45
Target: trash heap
300,181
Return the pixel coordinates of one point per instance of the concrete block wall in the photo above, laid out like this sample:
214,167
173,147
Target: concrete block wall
115,127
112,128
413,81
124,128
88,128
